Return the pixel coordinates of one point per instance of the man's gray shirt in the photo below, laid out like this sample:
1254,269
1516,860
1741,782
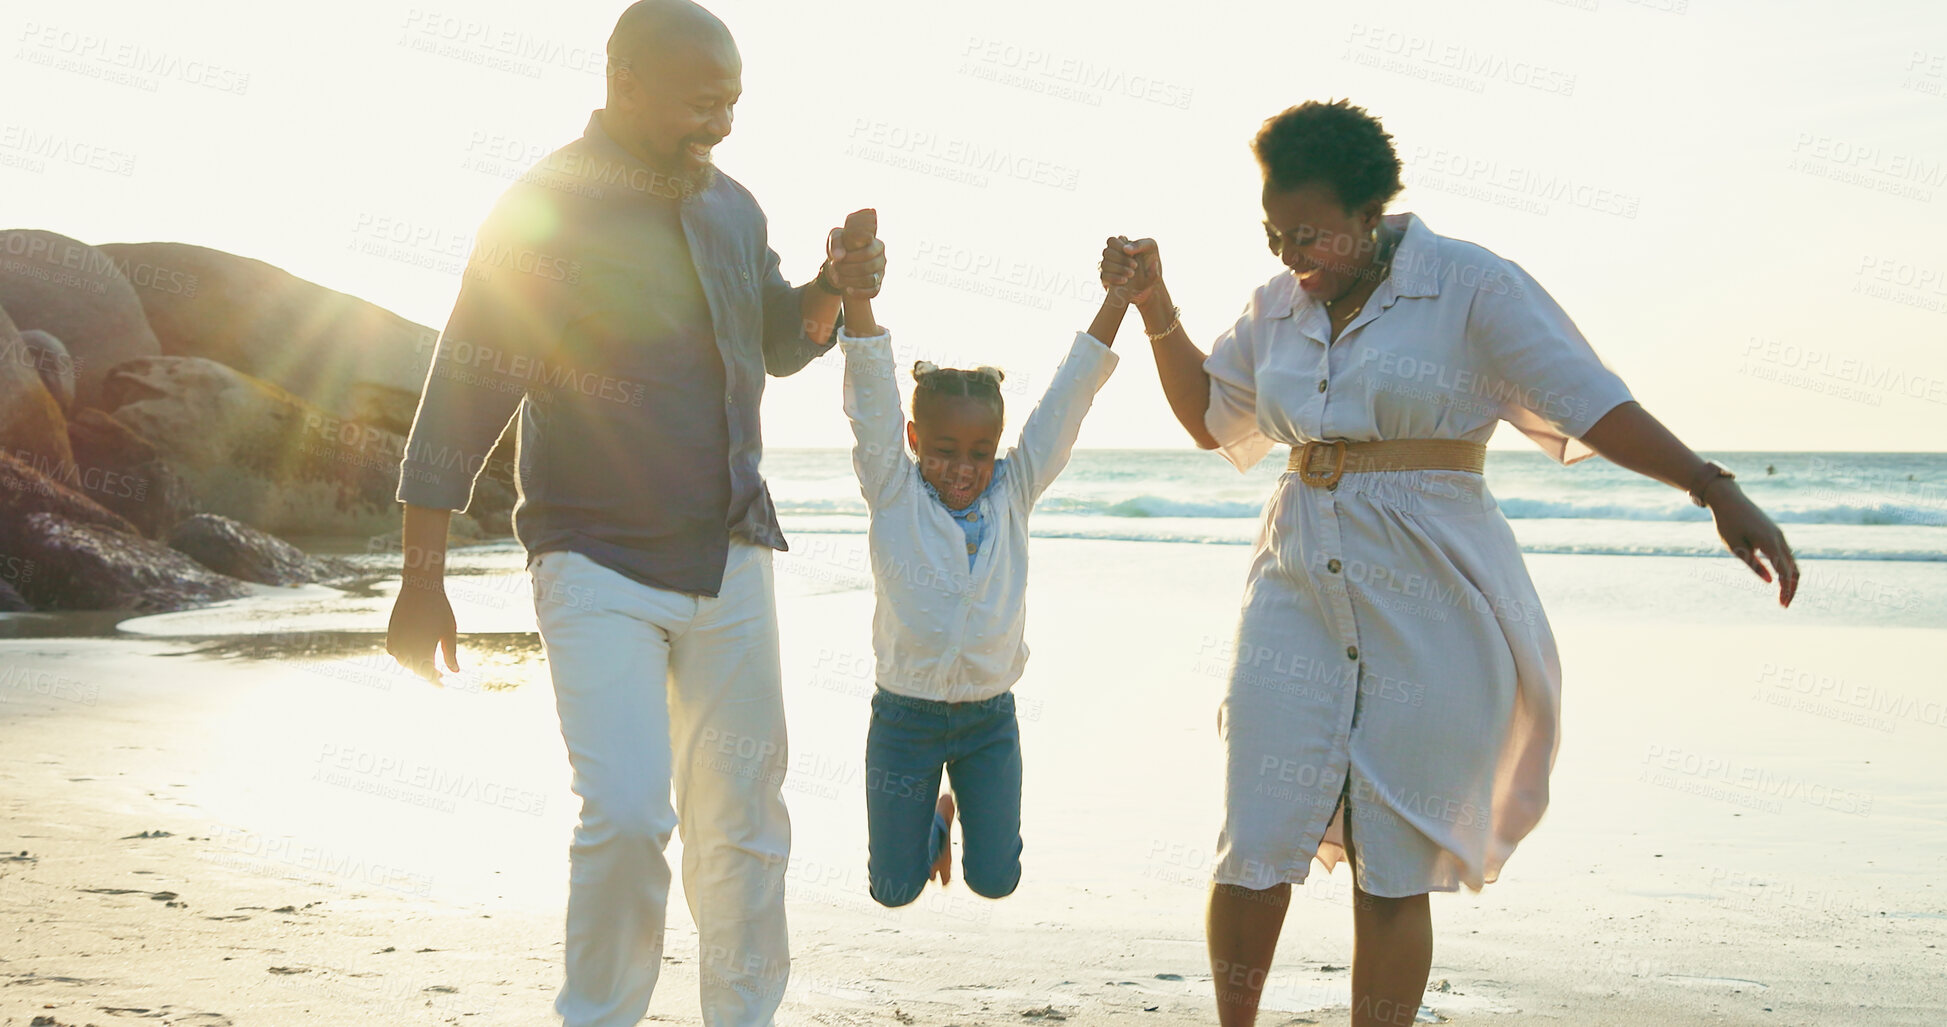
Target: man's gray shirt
637,376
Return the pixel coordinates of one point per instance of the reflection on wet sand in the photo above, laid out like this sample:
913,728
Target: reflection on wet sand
492,662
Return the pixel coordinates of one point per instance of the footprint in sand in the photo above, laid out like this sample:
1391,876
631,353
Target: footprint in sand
1734,983
164,1014
159,896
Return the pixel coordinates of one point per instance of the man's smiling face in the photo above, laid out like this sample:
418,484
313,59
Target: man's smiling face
673,102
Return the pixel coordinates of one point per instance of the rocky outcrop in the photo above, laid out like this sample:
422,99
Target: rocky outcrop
78,294
90,567
30,417
60,550
25,491
55,366
353,359
254,452
123,472
166,391
240,551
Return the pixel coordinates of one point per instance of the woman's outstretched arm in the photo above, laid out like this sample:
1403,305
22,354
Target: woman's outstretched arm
1135,271
1629,437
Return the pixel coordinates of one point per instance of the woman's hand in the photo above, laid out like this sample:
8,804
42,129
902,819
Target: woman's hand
1131,271
1630,438
1748,532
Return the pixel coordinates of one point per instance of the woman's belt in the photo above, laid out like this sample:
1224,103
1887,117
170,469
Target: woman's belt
1320,462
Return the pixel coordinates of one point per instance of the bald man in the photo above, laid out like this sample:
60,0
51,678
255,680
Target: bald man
624,300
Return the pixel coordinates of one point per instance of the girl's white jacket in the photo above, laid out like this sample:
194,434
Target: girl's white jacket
940,631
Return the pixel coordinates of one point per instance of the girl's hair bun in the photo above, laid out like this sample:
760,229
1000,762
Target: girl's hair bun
982,383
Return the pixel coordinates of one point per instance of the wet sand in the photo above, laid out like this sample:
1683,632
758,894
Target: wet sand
245,815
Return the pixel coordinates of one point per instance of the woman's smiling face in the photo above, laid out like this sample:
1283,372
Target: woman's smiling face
1325,245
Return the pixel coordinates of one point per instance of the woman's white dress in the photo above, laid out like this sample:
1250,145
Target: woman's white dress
1407,584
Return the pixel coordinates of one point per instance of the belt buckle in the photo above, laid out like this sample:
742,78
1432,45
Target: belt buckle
1314,478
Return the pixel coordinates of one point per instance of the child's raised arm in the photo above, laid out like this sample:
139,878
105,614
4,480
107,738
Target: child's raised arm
871,391
860,227
1052,428
1108,320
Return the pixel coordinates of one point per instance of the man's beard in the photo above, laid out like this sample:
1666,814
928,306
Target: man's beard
693,176
697,181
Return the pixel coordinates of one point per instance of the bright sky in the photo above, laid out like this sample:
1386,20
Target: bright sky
1743,204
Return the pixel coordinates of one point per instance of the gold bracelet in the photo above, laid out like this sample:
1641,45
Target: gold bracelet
1176,321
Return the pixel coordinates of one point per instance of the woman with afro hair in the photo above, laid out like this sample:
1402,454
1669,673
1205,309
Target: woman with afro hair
1394,690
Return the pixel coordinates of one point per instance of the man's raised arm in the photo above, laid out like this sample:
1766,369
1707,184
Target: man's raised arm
800,322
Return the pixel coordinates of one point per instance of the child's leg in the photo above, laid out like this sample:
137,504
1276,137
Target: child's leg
986,773
904,750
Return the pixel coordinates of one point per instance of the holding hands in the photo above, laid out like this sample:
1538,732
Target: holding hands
855,259
1132,272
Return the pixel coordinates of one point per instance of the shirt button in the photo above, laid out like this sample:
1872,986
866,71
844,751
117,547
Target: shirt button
730,397
1351,652
1321,385
971,548
973,516
747,274
1333,566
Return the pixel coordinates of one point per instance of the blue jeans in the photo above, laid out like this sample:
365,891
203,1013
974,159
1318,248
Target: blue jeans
979,746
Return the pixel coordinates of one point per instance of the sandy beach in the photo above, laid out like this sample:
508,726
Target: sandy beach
245,815
280,291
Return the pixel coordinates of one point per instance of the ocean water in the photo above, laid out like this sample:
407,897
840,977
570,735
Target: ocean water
1858,506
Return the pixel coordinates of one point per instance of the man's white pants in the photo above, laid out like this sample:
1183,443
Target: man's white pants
656,687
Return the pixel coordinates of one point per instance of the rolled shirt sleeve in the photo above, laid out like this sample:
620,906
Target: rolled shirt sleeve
1548,380
502,325
787,349
1231,417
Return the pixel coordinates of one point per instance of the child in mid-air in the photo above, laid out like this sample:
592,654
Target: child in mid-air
949,550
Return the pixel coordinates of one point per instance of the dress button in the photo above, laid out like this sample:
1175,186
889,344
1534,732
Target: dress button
1351,652
1333,566
1321,385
